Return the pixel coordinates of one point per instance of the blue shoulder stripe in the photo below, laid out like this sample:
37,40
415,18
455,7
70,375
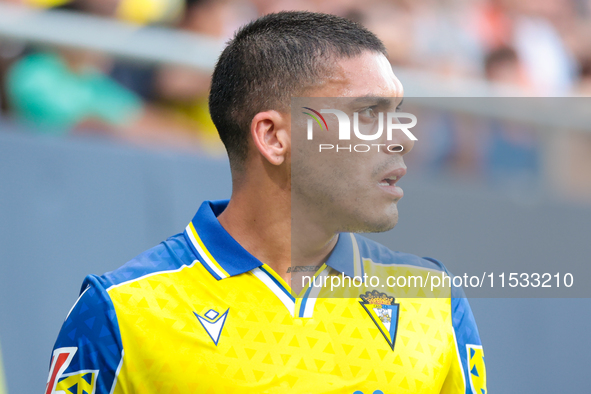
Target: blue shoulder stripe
169,255
89,343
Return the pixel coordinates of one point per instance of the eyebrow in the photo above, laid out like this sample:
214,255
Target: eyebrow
383,102
370,99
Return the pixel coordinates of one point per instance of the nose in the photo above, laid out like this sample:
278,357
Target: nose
400,133
407,144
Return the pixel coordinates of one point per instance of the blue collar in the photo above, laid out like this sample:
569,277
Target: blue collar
223,256
343,256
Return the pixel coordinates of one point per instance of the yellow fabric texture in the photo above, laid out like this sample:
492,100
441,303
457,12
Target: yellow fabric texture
262,348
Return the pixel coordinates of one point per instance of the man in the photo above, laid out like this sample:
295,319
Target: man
210,310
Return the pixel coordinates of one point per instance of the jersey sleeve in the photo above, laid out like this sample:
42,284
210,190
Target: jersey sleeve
88,353
467,373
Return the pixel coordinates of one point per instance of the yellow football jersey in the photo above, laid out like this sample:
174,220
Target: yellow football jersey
199,314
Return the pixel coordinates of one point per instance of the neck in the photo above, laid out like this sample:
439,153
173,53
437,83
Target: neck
260,217
311,240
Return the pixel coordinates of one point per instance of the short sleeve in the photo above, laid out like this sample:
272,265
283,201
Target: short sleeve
468,369
88,353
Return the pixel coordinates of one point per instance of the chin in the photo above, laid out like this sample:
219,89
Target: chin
375,225
383,226
366,218
385,221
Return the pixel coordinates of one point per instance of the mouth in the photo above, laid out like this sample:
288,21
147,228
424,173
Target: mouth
388,182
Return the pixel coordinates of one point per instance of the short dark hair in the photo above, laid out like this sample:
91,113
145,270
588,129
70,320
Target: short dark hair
273,58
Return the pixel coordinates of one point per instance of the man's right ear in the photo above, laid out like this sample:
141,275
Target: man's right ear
270,133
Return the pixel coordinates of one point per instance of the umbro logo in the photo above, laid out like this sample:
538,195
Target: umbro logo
213,323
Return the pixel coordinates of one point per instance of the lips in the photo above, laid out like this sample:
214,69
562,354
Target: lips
388,182
392,177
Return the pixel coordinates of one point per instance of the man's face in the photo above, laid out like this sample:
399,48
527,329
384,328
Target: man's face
343,190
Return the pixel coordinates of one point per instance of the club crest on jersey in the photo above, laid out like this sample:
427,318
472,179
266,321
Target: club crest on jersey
384,312
213,323
477,369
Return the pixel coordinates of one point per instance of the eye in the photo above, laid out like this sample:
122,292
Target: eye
369,112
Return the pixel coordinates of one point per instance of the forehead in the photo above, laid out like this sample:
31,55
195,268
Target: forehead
369,74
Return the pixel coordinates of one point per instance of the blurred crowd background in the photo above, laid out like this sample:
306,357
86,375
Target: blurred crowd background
534,48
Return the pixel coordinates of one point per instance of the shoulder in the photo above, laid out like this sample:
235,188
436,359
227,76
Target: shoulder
88,350
170,255
379,254
94,312
90,339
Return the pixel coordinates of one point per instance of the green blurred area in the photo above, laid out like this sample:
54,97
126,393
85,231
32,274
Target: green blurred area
46,92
